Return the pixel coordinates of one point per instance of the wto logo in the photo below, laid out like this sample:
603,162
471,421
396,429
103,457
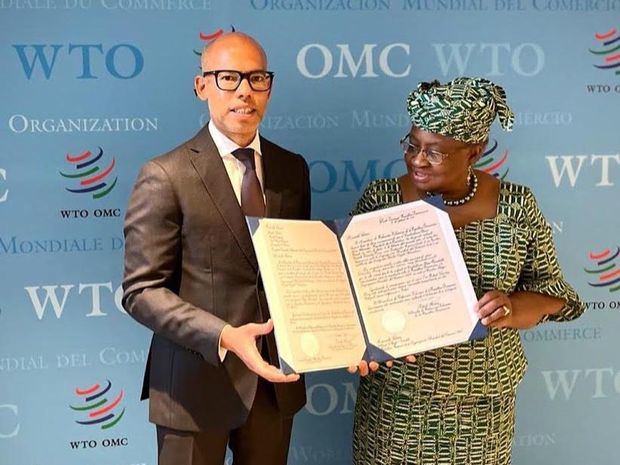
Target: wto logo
96,408
608,54
610,59
525,59
89,176
607,270
53,298
569,168
121,61
490,165
210,38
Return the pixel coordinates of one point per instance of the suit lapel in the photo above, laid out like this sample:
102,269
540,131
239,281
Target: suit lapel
208,163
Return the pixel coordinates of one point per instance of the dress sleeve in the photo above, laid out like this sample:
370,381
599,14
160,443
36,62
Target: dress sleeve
541,272
368,201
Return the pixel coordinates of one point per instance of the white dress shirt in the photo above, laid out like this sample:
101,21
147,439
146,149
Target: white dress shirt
235,170
234,167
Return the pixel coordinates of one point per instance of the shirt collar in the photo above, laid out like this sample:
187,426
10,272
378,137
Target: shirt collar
225,146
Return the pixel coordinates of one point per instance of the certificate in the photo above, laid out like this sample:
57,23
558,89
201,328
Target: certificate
376,286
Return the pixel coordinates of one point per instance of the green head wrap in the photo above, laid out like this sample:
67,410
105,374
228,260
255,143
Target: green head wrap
462,109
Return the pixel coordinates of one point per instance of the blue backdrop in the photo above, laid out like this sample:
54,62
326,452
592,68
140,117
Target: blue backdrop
93,88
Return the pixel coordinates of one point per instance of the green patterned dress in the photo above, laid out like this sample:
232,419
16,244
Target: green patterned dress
456,405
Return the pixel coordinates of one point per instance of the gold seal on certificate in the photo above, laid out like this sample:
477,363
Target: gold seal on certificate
376,286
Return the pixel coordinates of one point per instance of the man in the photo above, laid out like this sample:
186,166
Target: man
191,272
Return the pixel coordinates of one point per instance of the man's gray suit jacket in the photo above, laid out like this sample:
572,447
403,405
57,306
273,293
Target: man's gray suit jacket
190,269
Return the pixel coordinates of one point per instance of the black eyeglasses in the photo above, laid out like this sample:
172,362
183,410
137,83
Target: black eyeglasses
227,79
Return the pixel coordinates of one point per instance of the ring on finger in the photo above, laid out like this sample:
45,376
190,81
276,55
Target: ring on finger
507,310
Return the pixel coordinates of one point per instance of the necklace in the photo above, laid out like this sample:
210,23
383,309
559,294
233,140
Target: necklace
472,182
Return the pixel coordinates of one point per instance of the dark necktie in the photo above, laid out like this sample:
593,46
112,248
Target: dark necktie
252,202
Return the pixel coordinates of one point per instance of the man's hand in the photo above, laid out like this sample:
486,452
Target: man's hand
242,341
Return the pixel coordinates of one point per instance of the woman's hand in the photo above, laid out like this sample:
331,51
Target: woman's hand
520,310
366,368
493,307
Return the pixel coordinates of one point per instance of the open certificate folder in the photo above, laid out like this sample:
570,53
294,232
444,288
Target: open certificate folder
377,286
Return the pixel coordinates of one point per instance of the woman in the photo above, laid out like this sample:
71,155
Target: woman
456,405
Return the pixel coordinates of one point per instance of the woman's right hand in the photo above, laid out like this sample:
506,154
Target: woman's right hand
365,368
409,359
